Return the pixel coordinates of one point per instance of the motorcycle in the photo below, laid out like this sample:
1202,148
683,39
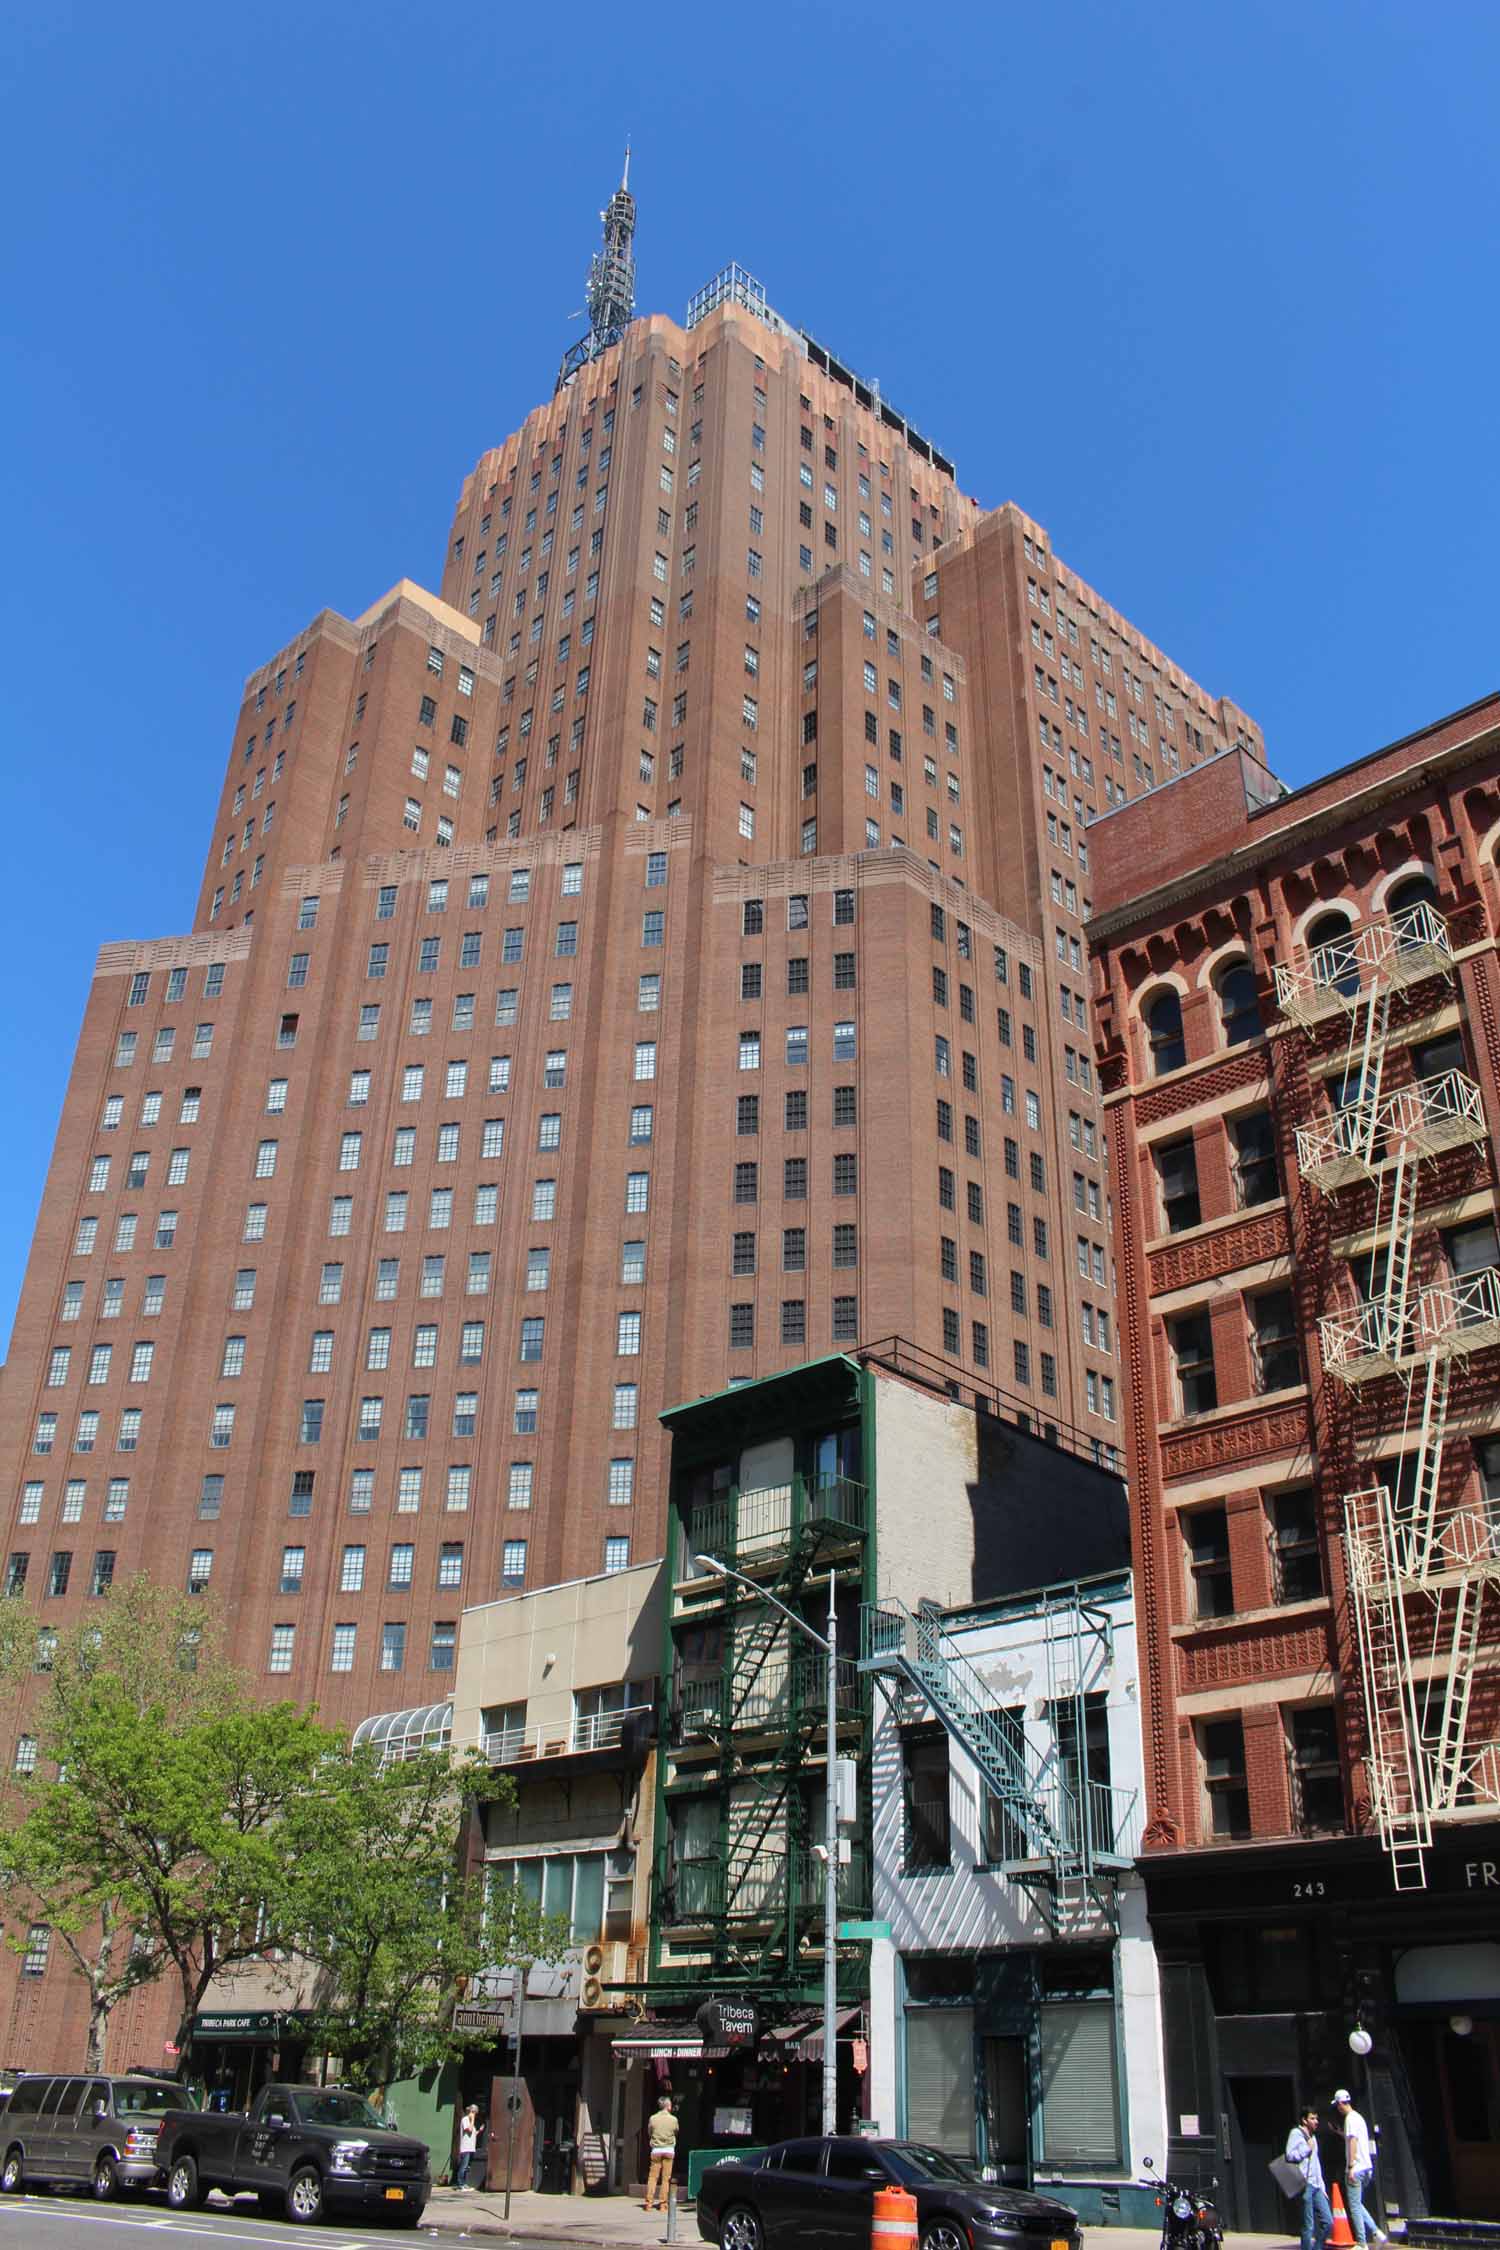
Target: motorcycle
1189,2221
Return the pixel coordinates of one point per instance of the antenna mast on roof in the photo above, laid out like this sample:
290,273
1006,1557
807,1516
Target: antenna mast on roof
610,293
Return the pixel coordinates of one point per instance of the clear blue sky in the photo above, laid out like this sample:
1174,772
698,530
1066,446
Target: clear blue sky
1209,288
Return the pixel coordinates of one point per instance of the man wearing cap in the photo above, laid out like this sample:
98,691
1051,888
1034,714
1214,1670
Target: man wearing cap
1359,2163
1302,2151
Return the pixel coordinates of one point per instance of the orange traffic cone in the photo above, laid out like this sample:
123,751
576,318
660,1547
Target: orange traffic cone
1342,2237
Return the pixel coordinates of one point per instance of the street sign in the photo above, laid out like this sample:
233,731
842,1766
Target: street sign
867,1930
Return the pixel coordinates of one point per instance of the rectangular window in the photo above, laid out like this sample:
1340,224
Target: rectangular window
1177,1177
1191,1339
1221,1744
1206,1533
1296,1551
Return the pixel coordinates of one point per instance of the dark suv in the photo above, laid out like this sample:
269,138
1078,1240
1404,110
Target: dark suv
99,2131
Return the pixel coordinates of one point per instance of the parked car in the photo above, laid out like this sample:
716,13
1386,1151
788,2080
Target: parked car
823,2191
305,2151
98,2131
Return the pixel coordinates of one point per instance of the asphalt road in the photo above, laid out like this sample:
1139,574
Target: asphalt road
72,2222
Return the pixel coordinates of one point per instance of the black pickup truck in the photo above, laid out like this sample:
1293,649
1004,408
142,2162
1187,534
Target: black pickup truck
305,2151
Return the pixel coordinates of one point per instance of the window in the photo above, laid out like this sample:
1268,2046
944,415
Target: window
846,1175
616,1556
1164,1036
1296,1553
1206,1531
1316,1776
1177,1176
1239,1003
38,1946
1278,1356
1193,1353
1221,1744
1253,1143
925,1798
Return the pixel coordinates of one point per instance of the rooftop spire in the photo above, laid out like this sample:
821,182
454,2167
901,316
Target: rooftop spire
610,291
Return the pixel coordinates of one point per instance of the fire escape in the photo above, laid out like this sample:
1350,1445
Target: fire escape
748,1736
1066,1836
1420,1560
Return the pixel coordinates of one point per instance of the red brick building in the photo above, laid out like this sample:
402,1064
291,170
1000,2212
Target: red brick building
1298,1020
650,962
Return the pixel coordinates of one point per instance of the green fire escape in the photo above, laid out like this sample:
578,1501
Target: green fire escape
739,1885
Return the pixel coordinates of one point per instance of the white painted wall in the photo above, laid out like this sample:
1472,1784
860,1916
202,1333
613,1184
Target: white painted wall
971,1909
926,1461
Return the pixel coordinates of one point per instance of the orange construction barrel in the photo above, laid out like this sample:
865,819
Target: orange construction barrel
894,2223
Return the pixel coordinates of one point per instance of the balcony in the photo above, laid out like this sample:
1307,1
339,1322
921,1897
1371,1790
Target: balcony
601,1730
1462,1315
1098,1825
1344,1147
1360,1345
1434,1114
1405,949
763,1525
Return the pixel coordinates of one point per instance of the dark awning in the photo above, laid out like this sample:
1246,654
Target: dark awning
805,2040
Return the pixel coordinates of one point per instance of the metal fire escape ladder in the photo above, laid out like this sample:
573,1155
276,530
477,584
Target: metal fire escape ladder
1419,1572
1050,1819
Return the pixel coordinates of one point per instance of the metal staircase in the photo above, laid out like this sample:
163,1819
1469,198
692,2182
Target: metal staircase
1420,1562
1073,1833
760,1716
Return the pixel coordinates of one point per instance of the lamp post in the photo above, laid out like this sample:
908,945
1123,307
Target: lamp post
829,1645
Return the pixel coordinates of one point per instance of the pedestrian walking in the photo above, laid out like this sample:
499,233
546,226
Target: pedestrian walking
468,2144
662,2133
1359,2164
1303,2154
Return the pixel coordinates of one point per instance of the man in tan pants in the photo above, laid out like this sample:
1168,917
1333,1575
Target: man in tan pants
662,2132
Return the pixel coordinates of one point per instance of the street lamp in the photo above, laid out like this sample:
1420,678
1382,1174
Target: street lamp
829,1644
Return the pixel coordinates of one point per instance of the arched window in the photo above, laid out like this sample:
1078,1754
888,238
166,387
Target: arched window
1164,1031
1412,891
1325,940
1239,1003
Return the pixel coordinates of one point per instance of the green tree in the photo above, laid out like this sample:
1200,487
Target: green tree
386,1909
153,1835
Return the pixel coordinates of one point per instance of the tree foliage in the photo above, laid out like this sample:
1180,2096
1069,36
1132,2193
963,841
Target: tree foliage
176,1826
158,1802
385,1909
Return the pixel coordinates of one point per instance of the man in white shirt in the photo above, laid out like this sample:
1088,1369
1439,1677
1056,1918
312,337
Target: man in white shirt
1302,2150
1359,2163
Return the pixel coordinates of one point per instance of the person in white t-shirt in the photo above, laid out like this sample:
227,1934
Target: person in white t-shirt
1359,2164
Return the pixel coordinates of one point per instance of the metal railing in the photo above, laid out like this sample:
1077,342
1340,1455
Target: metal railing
746,1526
1402,949
601,1730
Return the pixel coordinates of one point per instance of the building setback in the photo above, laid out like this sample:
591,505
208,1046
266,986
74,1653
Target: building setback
648,962
1297,1002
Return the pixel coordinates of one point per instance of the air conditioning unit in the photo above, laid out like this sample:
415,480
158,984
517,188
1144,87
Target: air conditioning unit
603,1966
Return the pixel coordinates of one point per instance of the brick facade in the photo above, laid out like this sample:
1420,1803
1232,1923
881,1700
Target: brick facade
670,933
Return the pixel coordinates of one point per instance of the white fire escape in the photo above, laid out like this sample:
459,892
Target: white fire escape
1420,1563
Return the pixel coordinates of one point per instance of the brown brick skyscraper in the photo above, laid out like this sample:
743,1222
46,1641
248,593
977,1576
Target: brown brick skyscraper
655,961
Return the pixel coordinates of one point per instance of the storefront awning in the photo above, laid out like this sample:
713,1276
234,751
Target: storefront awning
665,2042
805,2040
251,2023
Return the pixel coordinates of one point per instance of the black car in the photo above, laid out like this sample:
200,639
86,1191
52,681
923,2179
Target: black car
821,2194
307,2152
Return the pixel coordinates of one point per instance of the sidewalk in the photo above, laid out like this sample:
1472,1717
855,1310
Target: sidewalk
617,2222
